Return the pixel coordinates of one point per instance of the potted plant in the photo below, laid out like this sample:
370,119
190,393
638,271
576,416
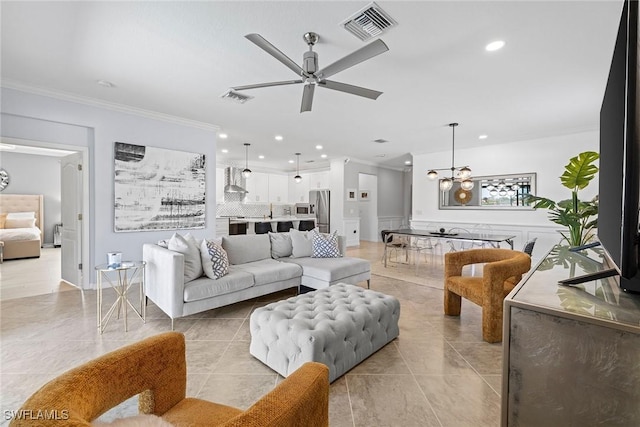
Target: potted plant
580,217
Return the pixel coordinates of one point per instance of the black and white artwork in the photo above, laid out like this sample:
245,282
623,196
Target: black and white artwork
158,189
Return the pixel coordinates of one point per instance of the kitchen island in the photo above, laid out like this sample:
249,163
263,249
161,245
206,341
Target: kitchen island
246,225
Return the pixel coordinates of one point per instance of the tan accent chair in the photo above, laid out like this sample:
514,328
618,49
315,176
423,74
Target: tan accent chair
503,270
156,369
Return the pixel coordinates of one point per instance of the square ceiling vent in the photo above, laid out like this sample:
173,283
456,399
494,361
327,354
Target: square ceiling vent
369,22
236,96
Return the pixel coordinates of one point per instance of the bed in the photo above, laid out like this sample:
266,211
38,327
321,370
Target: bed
21,242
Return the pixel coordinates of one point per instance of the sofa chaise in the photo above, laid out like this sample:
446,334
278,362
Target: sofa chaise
253,271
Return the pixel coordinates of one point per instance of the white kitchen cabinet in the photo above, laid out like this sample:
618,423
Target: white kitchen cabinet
222,227
258,187
299,191
278,188
220,185
319,180
352,231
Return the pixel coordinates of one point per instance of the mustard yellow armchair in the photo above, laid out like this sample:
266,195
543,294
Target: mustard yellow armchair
156,369
503,270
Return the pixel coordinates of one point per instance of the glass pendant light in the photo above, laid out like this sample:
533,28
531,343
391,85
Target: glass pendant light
446,184
298,178
246,173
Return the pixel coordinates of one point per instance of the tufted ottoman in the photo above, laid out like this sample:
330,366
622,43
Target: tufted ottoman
339,326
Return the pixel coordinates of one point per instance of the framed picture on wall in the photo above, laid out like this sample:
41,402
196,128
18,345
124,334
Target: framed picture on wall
351,194
158,189
364,195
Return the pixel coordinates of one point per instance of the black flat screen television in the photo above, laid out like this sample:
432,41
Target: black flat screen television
619,176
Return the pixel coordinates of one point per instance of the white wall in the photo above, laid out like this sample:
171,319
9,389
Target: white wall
368,209
41,118
546,157
35,174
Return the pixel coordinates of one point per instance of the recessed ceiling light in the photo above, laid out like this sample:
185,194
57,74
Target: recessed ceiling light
324,156
483,136
291,161
224,150
222,135
279,137
318,147
261,156
407,162
105,83
496,45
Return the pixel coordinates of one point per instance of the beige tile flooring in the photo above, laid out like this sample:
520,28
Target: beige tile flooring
438,372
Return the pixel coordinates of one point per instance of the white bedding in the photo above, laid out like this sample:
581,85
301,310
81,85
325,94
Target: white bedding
8,234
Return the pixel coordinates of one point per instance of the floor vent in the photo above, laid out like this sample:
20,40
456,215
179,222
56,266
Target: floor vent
236,96
369,22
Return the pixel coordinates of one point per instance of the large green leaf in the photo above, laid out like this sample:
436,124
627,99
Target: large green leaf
540,202
580,170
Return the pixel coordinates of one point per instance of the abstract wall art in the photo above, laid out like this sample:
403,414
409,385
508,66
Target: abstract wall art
158,189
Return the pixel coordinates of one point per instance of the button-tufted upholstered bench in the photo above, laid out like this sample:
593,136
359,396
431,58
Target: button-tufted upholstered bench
339,326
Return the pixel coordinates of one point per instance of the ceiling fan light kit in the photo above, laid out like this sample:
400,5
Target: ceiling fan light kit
461,174
309,73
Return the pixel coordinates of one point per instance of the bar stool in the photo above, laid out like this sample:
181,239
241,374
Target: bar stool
262,227
284,226
306,225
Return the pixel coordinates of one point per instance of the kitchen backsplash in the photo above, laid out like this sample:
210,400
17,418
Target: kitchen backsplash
232,208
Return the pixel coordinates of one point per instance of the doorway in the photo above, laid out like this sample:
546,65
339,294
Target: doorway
28,155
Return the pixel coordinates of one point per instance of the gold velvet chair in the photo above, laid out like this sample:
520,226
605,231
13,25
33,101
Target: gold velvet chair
156,369
503,270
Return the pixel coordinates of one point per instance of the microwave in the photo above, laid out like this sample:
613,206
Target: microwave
303,209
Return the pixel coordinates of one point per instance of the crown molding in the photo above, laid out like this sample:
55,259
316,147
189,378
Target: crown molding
94,102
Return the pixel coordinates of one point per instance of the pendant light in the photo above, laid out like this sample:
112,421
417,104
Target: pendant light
246,172
458,174
298,178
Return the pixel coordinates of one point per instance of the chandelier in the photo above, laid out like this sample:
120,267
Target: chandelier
458,174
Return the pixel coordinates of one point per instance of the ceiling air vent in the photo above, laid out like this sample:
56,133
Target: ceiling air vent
236,96
369,22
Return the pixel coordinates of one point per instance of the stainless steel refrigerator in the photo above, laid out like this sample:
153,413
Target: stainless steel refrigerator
320,202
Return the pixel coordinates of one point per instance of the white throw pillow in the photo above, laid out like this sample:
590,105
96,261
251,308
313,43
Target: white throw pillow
215,261
189,247
19,222
16,215
325,246
302,243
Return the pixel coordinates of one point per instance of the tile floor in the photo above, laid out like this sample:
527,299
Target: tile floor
438,372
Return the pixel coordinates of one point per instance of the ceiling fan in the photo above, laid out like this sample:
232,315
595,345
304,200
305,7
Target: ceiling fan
309,73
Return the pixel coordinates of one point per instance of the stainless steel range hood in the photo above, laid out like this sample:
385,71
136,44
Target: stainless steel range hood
233,181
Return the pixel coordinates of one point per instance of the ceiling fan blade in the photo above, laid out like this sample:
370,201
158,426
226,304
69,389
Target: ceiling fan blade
354,90
262,43
307,97
369,51
259,85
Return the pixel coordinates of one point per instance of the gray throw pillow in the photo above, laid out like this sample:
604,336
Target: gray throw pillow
302,243
281,245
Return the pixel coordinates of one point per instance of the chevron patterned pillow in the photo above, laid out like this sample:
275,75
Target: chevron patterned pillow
325,245
215,261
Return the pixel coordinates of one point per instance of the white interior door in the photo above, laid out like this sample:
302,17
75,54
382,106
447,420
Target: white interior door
71,202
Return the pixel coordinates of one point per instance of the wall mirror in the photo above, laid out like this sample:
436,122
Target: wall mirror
491,192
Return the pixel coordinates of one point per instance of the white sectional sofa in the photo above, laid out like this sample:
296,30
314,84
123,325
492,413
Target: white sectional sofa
253,272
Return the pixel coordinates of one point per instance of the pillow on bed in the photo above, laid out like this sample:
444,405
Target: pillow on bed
20,223
3,218
16,215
